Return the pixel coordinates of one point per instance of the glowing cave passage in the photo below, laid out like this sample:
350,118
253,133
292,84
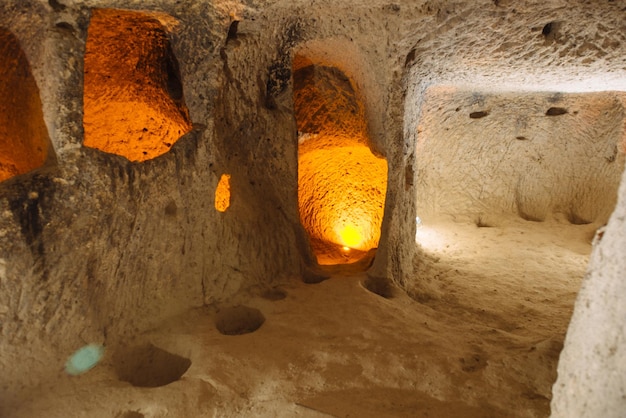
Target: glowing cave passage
24,142
341,183
133,97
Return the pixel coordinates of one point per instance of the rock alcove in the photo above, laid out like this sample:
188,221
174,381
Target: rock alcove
24,138
133,96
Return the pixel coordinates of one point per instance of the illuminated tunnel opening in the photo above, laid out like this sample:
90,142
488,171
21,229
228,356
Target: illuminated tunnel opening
341,183
133,95
24,141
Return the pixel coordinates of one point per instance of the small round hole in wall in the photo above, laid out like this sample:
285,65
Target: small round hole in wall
556,111
238,320
547,29
479,114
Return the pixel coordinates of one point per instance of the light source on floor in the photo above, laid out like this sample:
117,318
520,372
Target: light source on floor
350,236
341,193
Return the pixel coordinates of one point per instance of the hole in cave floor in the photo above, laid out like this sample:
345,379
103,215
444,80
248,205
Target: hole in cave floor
479,336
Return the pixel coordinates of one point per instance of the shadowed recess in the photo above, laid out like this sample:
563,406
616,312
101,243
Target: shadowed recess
380,286
149,366
238,320
24,142
341,184
133,95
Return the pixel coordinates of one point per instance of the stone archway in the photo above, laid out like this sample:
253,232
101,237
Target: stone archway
341,183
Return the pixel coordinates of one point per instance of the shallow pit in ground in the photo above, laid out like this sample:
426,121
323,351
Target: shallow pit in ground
479,330
238,320
149,366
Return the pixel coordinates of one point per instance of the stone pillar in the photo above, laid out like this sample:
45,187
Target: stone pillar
592,369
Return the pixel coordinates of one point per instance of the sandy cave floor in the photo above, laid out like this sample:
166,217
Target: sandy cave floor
480,337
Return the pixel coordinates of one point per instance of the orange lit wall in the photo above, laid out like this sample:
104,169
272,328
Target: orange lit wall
24,142
222,193
341,184
133,97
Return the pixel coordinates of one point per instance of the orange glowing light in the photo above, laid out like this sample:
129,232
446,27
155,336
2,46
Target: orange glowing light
350,236
341,193
222,193
24,143
341,183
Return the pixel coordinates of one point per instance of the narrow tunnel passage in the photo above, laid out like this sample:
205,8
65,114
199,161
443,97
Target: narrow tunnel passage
341,183
505,243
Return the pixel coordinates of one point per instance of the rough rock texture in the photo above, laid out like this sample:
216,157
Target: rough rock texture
482,156
25,143
592,366
341,184
325,102
95,248
133,96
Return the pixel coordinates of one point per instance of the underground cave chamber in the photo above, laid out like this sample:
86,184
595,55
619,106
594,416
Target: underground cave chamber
519,227
25,145
510,187
544,156
341,183
133,96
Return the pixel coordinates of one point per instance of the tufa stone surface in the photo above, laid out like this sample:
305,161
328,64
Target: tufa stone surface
96,248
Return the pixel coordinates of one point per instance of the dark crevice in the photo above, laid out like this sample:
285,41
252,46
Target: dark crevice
550,31
547,29
174,85
556,111
478,115
56,6
232,31
409,58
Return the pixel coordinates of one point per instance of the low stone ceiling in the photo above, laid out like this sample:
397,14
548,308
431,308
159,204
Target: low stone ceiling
532,45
